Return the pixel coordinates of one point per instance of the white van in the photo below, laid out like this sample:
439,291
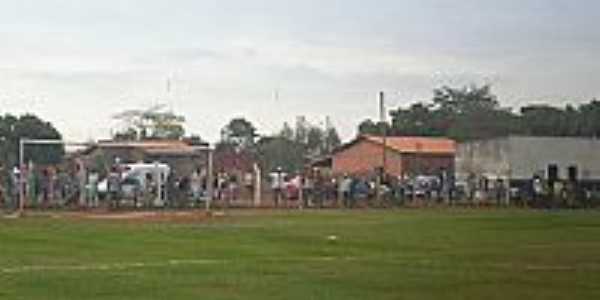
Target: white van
140,171
134,178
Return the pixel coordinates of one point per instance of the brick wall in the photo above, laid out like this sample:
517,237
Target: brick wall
427,164
365,157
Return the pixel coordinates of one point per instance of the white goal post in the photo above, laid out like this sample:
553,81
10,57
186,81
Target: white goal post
25,141
22,144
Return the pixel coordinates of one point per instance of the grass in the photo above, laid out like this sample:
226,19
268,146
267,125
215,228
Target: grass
446,254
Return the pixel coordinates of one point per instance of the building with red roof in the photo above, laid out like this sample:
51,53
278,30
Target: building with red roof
403,156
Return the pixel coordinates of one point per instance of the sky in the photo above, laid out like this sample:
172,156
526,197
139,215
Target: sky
78,63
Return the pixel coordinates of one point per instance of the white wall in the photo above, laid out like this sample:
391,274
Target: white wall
530,154
488,158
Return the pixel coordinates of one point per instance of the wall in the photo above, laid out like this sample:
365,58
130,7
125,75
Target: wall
531,154
427,164
521,157
365,157
489,158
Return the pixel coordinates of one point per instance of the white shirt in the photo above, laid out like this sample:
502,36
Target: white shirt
277,180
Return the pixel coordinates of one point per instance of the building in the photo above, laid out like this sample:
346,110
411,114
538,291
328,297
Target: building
183,157
403,156
519,158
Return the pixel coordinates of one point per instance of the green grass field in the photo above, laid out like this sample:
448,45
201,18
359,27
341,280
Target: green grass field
442,254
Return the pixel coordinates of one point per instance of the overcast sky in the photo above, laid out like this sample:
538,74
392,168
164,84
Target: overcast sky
77,63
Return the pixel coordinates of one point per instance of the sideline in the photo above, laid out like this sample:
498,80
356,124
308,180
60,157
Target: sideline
423,264
169,263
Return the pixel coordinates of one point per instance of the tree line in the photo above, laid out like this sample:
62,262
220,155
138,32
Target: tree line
288,149
474,112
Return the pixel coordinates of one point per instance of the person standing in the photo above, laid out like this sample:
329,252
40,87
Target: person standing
150,190
538,189
16,186
471,187
81,178
221,186
93,179
52,185
114,186
196,186
344,190
2,193
46,183
9,187
277,186
30,186
319,189
248,185
308,187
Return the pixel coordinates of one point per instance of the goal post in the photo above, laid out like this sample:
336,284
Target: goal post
24,142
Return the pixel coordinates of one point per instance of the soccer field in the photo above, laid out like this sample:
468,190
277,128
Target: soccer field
445,254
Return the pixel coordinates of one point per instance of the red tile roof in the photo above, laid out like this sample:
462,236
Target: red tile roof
150,144
156,147
416,144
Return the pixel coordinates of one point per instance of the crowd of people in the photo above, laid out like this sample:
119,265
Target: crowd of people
40,187
73,186
79,187
147,186
537,192
318,189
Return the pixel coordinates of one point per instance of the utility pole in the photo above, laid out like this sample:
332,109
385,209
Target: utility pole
210,179
326,134
383,124
419,171
382,112
257,186
21,177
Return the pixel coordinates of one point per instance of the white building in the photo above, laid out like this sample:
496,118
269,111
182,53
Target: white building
519,158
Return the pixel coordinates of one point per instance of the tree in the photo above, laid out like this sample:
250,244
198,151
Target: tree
543,120
13,128
165,125
462,114
418,120
129,134
314,143
291,148
277,151
465,100
469,113
331,140
588,116
239,133
287,132
301,132
152,123
368,127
